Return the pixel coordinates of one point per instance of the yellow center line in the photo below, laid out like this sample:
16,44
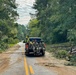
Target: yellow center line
31,70
26,67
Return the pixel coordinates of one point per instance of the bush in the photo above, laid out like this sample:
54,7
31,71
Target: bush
13,41
73,58
3,46
72,61
61,54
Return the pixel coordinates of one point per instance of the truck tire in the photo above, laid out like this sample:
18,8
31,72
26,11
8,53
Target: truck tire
26,53
43,53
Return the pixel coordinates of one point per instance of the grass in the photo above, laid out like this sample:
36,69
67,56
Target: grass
61,46
57,52
1,51
61,51
11,45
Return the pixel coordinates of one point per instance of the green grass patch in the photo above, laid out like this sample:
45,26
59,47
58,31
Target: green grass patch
56,47
58,52
1,51
5,47
11,45
61,51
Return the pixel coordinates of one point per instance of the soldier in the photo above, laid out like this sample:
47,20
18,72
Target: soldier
27,39
27,42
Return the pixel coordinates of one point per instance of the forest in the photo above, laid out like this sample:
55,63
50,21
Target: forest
55,21
10,31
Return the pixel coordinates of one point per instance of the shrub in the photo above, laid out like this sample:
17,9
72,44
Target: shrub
13,41
73,58
61,54
3,46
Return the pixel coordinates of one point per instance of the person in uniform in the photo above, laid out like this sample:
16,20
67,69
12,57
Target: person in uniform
27,39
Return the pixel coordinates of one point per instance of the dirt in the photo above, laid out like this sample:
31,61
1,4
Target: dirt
5,58
56,65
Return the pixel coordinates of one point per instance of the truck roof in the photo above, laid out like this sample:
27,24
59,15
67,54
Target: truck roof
35,37
38,39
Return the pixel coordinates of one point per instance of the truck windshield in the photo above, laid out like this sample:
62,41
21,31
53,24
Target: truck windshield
35,39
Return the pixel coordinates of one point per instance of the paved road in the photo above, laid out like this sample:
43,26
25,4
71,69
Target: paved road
39,70
19,64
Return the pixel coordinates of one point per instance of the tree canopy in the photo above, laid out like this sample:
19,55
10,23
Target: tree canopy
55,20
9,30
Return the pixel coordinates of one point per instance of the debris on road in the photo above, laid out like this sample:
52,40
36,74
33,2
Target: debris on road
56,65
5,58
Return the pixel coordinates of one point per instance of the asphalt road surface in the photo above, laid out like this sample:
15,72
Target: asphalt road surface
19,64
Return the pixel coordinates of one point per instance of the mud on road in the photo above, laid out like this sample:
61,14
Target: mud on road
12,62
5,57
56,65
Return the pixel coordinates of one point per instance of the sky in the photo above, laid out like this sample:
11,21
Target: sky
24,8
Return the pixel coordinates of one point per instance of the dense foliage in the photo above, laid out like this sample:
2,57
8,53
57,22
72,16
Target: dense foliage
55,20
8,28
22,31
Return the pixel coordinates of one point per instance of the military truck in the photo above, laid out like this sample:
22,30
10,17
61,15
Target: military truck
35,46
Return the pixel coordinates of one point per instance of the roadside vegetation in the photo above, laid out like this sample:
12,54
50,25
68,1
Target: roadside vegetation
55,22
10,32
62,51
